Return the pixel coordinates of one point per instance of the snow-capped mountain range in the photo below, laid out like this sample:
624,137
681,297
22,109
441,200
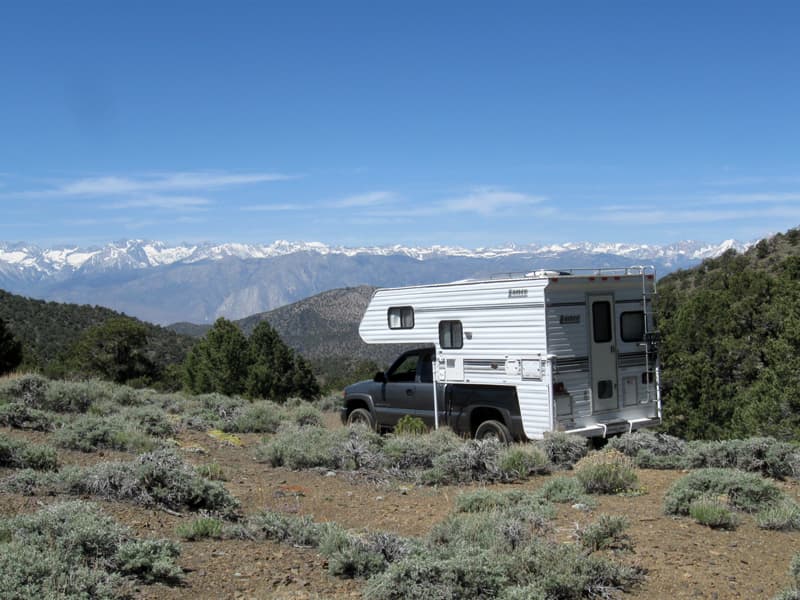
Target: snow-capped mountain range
166,283
141,254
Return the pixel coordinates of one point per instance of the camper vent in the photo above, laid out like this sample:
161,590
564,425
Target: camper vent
518,293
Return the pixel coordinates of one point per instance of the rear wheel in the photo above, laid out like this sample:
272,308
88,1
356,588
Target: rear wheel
361,416
493,429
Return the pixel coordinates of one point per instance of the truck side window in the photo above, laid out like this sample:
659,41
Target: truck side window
426,369
401,317
451,334
406,370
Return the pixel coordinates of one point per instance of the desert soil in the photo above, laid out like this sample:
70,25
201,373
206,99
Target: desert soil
682,559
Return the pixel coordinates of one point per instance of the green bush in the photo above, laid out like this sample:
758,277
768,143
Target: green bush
474,460
200,529
159,478
149,560
89,433
73,550
21,416
406,452
305,414
564,450
28,390
564,490
763,455
520,461
75,396
607,532
783,516
150,420
745,491
262,416
651,450
20,454
712,512
606,472
350,555
408,425
350,448
280,527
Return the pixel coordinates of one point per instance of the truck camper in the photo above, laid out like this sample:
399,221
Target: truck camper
517,355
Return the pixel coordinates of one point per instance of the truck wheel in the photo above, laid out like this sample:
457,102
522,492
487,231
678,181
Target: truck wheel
493,429
360,416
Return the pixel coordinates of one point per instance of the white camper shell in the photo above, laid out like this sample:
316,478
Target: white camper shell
579,345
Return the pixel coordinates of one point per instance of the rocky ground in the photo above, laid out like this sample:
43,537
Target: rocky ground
683,559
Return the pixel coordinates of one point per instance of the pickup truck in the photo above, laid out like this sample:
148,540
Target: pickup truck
406,388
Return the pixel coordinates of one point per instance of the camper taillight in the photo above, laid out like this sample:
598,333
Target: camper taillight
559,388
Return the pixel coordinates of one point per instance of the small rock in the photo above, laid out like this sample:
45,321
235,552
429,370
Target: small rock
330,474
378,498
580,506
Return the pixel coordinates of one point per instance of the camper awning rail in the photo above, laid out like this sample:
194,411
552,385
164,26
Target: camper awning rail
636,270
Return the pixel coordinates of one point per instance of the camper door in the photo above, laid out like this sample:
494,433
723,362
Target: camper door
603,348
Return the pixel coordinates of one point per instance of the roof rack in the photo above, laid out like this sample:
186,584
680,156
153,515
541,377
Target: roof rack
638,270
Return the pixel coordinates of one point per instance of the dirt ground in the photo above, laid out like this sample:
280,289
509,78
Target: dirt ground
682,559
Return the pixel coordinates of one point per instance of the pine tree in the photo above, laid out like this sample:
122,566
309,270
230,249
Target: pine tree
10,350
219,362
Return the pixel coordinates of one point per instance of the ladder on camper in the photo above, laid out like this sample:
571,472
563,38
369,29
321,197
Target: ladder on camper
651,334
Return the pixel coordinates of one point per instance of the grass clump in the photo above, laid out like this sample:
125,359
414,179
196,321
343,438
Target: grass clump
19,454
606,472
564,490
781,516
200,529
408,425
748,492
564,450
793,592
74,550
520,461
606,533
212,471
259,417
713,512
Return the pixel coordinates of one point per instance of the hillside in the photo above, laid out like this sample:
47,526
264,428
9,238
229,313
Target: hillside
731,343
48,329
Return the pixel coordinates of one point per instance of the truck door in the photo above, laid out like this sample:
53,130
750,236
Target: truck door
403,392
603,348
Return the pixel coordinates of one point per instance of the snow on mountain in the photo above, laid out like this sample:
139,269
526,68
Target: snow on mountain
141,254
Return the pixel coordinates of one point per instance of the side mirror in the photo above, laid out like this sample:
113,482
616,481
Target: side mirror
380,377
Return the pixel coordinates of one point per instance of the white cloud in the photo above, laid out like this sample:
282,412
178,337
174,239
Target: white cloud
757,198
163,202
490,201
275,207
164,182
376,198
635,216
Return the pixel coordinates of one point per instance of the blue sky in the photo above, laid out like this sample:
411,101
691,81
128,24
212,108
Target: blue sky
455,123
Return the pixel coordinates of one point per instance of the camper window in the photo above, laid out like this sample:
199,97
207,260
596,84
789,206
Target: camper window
451,334
631,326
401,317
601,318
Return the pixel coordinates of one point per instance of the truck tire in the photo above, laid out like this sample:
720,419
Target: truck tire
361,416
493,429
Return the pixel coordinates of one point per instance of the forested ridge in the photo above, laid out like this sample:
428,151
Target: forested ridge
730,346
